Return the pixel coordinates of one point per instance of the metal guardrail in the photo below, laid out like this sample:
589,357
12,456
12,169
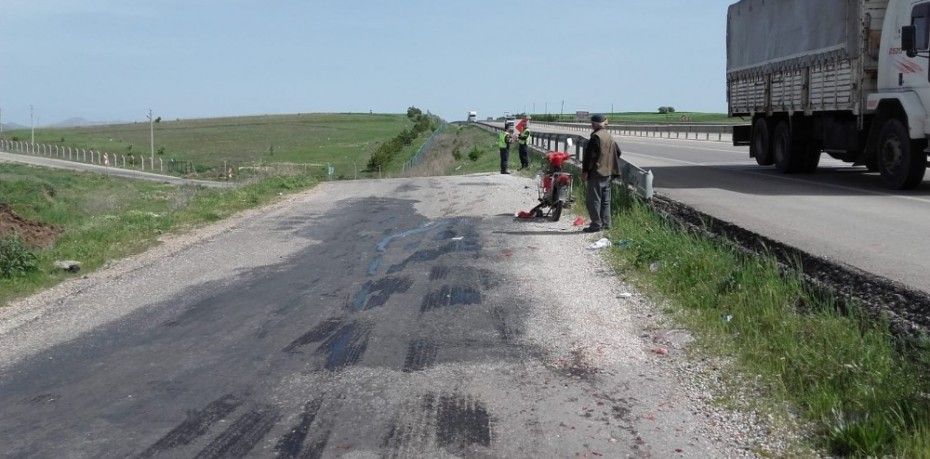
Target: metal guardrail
635,178
703,132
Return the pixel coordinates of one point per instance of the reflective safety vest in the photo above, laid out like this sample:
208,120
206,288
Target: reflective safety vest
524,136
502,141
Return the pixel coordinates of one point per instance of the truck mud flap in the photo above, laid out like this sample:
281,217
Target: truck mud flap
742,135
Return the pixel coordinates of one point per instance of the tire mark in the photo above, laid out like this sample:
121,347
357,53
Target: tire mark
290,444
373,295
345,347
499,318
242,435
315,335
421,354
462,422
465,245
438,273
450,296
196,424
412,430
316,447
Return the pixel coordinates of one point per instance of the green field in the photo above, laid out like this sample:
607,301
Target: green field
344,141
653,117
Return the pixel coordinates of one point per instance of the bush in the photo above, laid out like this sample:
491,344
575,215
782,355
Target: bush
414,112
16,259
457,154
475,153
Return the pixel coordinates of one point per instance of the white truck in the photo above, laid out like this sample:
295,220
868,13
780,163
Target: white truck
472,117
850,78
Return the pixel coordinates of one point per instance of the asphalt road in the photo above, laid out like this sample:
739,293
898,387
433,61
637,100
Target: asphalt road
842,213
394,318
111,171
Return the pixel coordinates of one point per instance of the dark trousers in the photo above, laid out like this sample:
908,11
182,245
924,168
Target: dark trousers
597,198
524,155
505,159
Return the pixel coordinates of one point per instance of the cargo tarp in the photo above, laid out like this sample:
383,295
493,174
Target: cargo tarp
761,32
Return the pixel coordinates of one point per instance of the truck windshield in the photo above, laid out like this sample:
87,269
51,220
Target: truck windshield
920,18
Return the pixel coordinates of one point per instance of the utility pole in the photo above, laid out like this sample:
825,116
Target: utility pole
151,136
534,108
547,108
562,110
1,121
611,108
32,118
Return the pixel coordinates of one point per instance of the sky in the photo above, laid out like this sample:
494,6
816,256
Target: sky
110,60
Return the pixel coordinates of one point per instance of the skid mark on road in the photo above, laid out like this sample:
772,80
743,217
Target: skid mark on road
316,334
291,443
196,424
345,347
450,296
453,422
462,422
376,294
242,435
413,428
421,354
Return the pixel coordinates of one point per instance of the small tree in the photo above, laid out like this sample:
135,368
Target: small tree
663,110
158,120
413,112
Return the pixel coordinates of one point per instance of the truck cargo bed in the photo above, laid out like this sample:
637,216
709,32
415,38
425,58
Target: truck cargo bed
800,55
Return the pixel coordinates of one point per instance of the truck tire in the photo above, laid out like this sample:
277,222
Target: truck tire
788,154
901,161
811,159
761,147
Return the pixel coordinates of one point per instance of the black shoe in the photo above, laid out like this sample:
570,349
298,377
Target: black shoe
505,173
592,229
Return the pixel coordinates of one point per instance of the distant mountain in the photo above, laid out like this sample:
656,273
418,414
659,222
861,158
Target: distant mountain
12,126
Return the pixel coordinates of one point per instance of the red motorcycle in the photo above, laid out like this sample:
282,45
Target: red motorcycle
555,188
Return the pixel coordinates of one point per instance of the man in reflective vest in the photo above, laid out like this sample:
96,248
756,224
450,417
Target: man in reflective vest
524,149
503,142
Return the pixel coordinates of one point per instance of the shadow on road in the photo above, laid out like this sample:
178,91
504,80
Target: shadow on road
748,179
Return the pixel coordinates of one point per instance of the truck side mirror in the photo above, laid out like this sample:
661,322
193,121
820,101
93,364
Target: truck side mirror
909,40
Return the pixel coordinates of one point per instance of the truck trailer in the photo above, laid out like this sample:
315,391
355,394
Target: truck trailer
849,78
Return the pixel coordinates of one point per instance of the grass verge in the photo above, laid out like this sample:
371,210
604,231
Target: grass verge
97,218
863,392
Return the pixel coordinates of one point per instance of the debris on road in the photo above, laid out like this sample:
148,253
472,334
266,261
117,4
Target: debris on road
625,295
68,265
603,243
580,221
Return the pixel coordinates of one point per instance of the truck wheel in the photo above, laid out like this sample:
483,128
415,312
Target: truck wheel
761,148
788,154
901,161
811,159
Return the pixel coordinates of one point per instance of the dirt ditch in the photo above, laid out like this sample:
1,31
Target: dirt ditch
33,234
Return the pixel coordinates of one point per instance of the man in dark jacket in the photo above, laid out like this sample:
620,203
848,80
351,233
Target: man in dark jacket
598,167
